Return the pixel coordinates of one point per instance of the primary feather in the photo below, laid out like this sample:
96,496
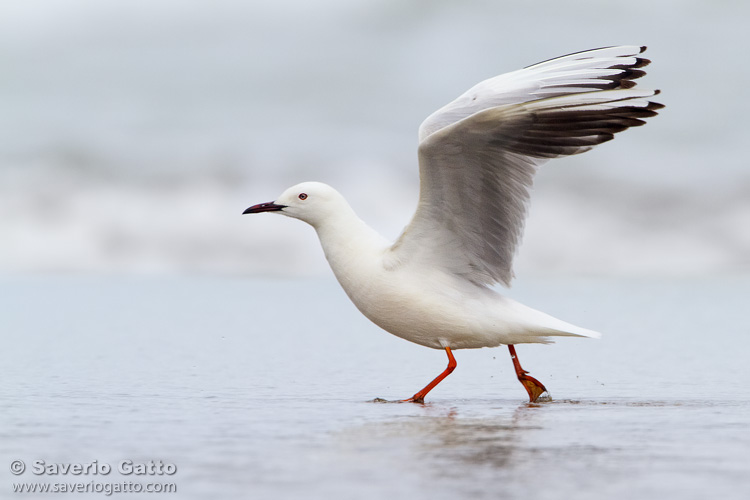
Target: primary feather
478,155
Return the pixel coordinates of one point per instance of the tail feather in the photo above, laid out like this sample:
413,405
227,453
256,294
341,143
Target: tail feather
548,326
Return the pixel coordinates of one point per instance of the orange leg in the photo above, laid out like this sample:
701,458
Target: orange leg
419,397
532,385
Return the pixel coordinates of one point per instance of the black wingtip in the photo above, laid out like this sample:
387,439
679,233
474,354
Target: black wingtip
633,74
653,106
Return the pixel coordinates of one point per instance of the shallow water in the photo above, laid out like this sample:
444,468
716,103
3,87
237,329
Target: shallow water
264,389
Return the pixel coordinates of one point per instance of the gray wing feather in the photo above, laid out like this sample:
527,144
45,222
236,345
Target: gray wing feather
477,162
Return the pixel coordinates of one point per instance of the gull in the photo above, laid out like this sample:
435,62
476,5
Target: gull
477,159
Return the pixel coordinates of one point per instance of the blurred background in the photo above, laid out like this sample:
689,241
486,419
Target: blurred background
133,133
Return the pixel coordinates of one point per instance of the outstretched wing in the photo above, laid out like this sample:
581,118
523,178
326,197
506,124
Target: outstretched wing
478,155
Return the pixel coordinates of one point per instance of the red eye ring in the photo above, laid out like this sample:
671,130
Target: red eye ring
302,196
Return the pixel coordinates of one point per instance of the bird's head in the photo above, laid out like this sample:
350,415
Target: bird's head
311,202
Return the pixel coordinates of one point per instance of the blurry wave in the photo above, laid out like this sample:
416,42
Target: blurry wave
82,224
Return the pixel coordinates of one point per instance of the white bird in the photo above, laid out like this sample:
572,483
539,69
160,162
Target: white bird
477,159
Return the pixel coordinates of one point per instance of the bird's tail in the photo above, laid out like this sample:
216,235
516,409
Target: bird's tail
542,325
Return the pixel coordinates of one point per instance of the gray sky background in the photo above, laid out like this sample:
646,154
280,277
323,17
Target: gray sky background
134,133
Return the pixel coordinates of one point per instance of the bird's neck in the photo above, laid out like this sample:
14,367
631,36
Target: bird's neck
354,250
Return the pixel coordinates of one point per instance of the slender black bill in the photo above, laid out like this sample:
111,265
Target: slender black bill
264,207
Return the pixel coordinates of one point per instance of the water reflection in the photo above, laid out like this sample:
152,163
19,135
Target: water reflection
449,440
492,441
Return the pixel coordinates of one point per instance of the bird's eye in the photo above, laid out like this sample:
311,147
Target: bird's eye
302,196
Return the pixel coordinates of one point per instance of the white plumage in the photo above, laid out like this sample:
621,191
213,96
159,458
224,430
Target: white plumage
477,159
